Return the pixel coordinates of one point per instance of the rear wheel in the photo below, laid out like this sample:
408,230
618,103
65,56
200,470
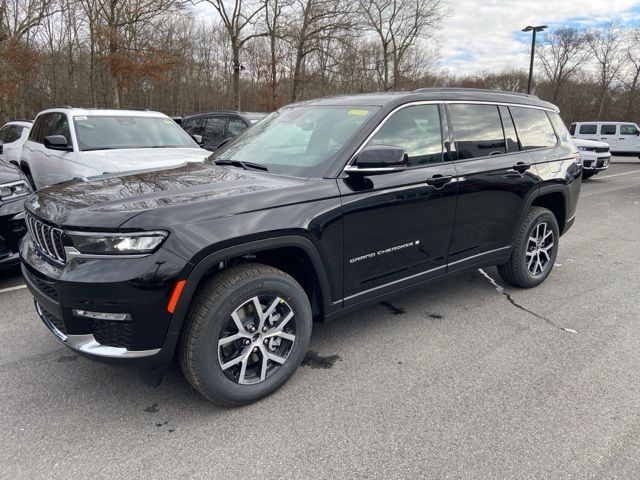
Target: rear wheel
535,249
246,334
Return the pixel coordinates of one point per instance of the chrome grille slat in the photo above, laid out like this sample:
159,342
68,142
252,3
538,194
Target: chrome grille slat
46,238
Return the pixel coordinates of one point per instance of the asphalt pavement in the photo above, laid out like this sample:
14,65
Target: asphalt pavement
462,380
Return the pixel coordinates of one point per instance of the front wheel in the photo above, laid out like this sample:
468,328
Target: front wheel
246,334
535,249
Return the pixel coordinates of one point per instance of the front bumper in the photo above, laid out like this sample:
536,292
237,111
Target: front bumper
12,229
595,162
139,287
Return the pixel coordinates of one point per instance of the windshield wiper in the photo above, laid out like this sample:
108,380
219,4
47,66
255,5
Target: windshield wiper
241,164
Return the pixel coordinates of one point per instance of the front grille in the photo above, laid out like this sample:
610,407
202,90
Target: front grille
602,149
43,286
113,333
47,239
53,320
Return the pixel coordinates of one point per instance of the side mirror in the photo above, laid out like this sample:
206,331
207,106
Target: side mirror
57,142
198,139
378,160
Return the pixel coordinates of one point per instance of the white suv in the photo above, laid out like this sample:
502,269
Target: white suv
622,137
67,143
12,137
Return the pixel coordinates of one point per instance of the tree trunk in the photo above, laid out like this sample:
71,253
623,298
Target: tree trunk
295,89
274,72
235,77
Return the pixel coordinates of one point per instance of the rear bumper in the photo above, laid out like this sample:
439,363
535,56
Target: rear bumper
137,287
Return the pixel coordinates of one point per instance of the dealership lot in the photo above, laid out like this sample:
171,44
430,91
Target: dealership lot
462,380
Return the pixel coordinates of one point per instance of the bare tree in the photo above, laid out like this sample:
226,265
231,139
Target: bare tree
399,24
236,21
562,54
631,71
605,45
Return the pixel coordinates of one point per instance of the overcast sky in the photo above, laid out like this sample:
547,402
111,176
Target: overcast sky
486,34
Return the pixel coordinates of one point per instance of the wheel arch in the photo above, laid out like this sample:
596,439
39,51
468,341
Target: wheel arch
553,199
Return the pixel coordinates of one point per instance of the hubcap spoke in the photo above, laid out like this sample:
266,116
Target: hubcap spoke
539,248
231,338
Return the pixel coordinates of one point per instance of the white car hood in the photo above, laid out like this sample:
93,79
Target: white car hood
589,143
112,161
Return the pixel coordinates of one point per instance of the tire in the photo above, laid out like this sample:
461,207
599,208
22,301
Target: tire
586,175
210,320
518,270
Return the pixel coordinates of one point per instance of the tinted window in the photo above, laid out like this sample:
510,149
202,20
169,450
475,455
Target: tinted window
235,127
572,129
534,128
559,127
628,130
607,129
61,127
417,130
13,134
49,122
34,133
213,132
478,130
4,132
193,126
588,129
509,130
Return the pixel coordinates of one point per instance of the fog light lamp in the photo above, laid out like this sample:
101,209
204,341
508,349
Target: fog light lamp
102,315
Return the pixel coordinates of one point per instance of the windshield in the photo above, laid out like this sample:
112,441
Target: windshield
298,141
106,132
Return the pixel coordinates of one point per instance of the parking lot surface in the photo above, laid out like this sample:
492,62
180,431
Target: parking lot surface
463,379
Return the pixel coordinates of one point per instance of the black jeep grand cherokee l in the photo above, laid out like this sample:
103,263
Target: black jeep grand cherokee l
323,207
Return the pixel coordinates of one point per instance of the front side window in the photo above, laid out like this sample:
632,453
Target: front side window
235,127
109,132
417,129
35,129
478,130
13,133
61,127
193,126
628,129
299,141
49,122
213,131
588,129
607,129
534,128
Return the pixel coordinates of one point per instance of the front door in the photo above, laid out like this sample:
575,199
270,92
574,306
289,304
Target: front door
609,134
397,226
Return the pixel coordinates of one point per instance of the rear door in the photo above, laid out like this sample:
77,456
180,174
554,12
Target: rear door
609,134
397,226
495,176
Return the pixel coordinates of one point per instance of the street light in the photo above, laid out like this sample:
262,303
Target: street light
534,29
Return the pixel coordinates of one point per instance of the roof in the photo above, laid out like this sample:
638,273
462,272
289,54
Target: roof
21,123
432,94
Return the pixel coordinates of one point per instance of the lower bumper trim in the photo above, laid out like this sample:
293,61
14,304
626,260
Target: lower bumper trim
88,345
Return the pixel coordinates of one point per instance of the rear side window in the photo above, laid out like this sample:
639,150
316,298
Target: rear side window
607,129
628,130
417,129
214,130
559,127
509,130
478,130
588,129
534,128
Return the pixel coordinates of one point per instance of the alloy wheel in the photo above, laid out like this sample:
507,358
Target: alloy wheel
539,249
256,339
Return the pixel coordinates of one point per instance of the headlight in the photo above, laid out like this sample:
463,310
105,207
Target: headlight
584,149
14,190
116,243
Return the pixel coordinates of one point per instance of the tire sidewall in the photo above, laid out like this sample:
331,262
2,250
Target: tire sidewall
551,221
214,382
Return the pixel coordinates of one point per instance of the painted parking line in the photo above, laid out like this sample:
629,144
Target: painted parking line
618,174
11,289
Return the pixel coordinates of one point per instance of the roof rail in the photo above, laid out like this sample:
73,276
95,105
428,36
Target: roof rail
462,89
59,106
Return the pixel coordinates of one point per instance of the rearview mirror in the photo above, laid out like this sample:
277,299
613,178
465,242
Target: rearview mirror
57,142
377,160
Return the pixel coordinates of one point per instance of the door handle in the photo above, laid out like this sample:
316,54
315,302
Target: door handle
439,181
521,167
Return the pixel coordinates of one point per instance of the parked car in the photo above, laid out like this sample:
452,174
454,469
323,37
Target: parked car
622,137
217,128
12,137
67,143
595,156
14,188
323,207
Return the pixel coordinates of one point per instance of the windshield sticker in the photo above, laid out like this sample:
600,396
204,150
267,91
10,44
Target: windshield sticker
82,117
359,113
385,251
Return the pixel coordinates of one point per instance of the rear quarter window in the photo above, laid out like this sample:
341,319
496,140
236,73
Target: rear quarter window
534,128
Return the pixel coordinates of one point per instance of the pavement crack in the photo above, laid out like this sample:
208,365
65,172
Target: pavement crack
500,289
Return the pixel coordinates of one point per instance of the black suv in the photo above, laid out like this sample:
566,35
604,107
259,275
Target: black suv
216,128
325,206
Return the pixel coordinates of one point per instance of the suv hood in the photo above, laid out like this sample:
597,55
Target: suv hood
9,173
589,143
107,202
112,161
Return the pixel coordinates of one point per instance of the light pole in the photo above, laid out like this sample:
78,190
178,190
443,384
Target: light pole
534,29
